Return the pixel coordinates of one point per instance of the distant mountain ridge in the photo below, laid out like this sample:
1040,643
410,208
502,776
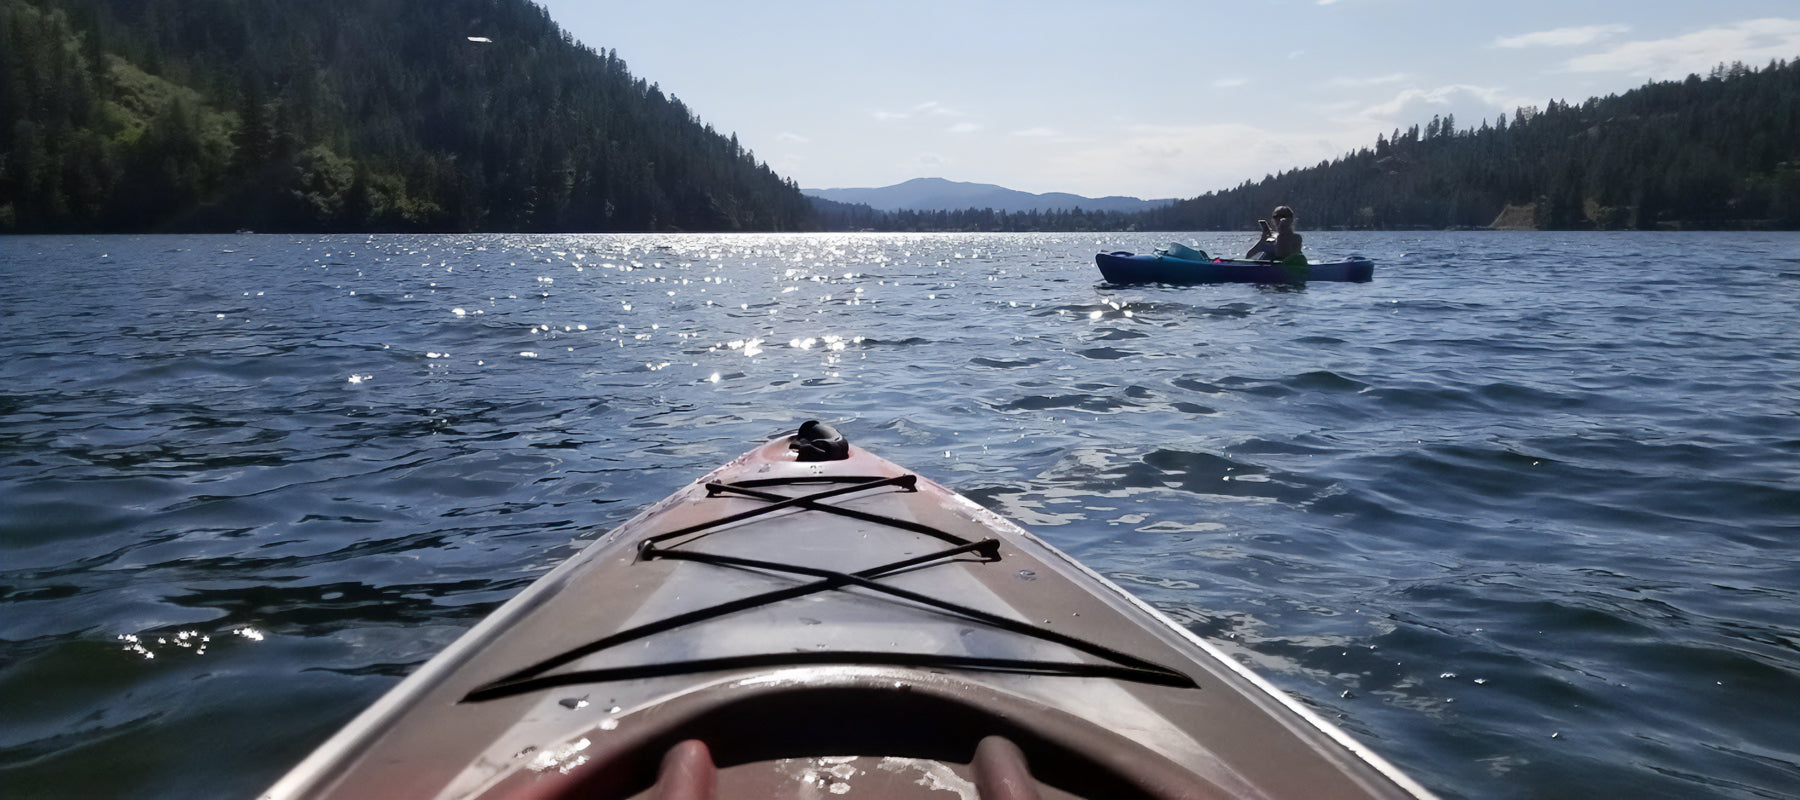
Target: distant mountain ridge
938,194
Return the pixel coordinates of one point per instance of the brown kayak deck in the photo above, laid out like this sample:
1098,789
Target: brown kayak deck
786,628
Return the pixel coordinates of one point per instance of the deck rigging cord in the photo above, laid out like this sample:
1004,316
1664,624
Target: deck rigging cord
537,676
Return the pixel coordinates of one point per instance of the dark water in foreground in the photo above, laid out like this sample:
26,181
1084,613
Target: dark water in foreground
1523,513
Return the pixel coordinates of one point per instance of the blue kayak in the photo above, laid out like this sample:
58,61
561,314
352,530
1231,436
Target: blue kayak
1123,267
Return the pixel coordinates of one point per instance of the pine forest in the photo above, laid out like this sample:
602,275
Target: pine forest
483,115
327,115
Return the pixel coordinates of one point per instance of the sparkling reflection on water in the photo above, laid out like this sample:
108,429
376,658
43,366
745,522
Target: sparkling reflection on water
1521,513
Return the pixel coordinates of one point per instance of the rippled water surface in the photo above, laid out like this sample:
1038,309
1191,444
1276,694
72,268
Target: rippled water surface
1523,513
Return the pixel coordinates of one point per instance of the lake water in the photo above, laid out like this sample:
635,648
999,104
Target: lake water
1523,513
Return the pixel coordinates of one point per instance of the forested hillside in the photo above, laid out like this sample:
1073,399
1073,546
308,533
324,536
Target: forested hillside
1720,152
1715,152
454,115
127,115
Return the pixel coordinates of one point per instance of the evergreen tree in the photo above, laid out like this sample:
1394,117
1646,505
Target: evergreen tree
350,115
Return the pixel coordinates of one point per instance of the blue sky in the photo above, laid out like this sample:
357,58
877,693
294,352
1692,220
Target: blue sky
1151,98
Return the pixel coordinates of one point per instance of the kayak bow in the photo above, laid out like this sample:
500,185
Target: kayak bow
811,620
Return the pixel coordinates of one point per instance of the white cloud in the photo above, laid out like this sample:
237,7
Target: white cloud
929,108
1754,42
1037,133
790,136
964,127
1184,161
1230,83
1563,37
1470,104
1377,80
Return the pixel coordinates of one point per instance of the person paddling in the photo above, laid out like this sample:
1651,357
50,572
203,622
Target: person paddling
1279,243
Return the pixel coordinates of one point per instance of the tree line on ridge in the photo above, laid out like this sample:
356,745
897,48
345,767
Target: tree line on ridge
1720,152
331,115
483,115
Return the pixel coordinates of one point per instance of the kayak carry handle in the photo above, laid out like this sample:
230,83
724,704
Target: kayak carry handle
817,441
